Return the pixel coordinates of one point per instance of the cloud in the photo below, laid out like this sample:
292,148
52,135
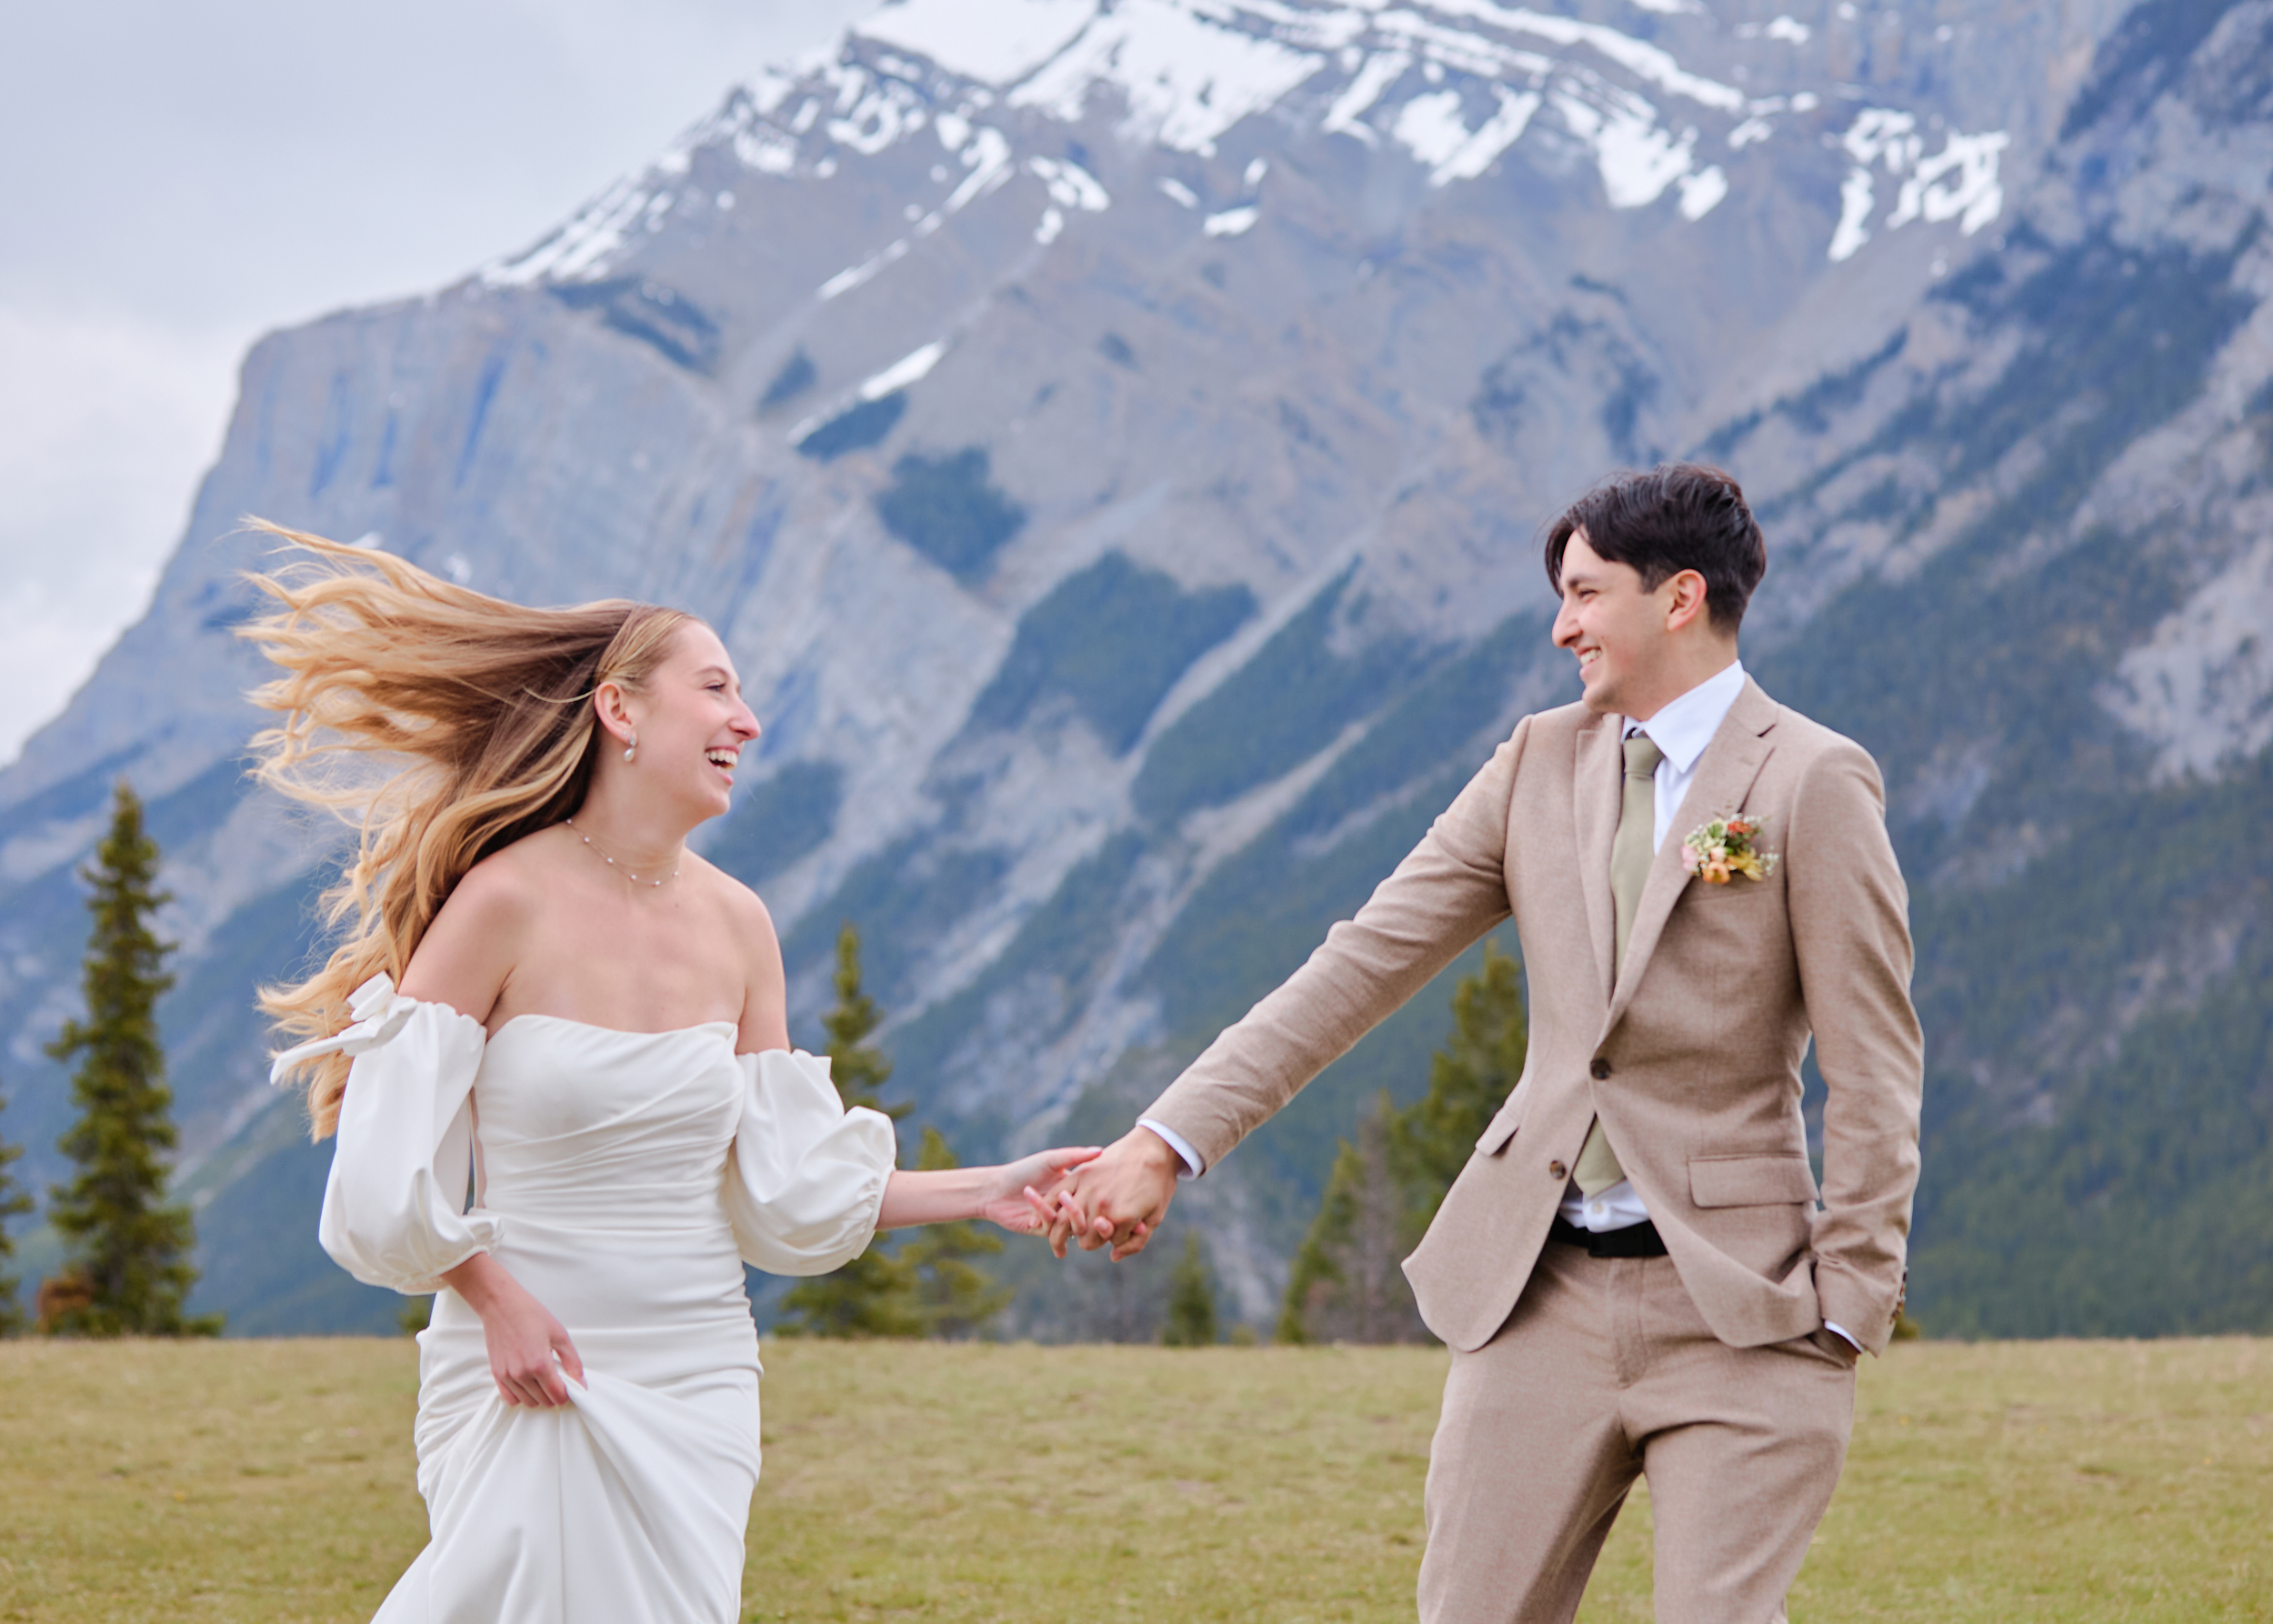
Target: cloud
106,419
178,179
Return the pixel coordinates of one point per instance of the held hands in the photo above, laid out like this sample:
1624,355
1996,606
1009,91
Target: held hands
1019,1197
1117,1200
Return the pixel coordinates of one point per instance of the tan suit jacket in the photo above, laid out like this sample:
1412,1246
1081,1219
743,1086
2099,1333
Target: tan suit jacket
1691,1059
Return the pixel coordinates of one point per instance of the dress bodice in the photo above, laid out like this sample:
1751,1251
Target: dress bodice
587,1140
608,1129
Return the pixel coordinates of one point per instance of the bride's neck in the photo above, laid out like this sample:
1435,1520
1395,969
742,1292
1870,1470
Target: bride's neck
636,837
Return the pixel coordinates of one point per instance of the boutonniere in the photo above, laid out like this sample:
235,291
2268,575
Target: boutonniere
1726,848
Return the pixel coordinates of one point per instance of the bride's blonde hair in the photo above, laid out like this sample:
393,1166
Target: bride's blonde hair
442,724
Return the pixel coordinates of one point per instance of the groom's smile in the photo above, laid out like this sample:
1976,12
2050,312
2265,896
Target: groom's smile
1606,620
1640,647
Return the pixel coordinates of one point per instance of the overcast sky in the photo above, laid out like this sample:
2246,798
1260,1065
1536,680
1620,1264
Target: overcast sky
176,180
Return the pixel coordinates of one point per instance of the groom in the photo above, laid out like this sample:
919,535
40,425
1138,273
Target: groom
1632,1272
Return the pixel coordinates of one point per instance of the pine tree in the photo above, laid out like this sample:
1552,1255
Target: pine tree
953,1296
128,1269
15,1201
1346,1284
1386,1185
875,1295
858,1066
1191,1299
1468,1079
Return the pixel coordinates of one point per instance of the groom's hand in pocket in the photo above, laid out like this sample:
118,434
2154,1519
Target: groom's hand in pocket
1119,1199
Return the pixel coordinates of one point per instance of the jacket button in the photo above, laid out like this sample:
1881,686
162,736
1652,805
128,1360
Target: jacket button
1557,1170
1601,1068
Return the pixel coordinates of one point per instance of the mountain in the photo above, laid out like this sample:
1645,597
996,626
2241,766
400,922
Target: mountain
1113,437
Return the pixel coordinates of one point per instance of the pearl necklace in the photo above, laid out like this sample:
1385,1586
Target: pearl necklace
626,873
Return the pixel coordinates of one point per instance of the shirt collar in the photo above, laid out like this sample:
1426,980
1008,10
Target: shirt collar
1685,726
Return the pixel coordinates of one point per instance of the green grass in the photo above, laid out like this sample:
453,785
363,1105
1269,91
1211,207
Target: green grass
273,1481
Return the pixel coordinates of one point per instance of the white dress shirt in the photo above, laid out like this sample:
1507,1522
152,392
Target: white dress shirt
1681,728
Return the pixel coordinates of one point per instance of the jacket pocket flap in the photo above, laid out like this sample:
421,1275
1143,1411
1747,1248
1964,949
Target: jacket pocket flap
1496,1136
1750,1180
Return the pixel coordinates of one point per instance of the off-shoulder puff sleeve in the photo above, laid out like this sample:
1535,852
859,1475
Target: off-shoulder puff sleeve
804,1178
394,1207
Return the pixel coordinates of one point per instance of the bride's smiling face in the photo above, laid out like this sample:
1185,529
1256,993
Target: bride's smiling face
691,724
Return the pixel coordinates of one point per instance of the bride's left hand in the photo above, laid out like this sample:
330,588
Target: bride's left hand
1045,1174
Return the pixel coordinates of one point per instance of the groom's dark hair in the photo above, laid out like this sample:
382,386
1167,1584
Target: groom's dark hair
1676,516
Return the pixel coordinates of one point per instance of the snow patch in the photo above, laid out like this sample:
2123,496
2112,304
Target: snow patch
1070,186
845,281
995,42
1435,129
1051,225
583,246
989,158
1232,221
1637,157
767,150
1638,57
1702,192
1181,193
885,113
909,369
1958,183
1855,203
1381,70
1186,78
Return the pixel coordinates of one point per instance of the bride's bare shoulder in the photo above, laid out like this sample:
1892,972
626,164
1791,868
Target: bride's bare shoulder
744,910
481,929
510,884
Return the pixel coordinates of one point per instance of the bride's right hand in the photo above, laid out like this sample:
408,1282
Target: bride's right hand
529,1350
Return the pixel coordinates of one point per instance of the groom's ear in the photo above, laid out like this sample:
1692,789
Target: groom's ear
1683,593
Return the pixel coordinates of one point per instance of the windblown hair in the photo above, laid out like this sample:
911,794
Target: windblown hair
440,723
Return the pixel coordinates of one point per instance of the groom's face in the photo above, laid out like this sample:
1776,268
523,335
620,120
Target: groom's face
1615,626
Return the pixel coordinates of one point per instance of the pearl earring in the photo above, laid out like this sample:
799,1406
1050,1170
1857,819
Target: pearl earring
631,747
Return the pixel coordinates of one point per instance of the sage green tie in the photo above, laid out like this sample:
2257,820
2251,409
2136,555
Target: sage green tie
1631,853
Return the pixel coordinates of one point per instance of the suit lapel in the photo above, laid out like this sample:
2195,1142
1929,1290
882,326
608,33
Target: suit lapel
1723,776
1595,789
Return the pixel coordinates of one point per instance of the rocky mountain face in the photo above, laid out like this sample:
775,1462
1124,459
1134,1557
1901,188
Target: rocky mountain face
1113,437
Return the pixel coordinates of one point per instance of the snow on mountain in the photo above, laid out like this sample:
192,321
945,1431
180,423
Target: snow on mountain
1452,83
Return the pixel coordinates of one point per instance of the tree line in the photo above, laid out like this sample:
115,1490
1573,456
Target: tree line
127,1268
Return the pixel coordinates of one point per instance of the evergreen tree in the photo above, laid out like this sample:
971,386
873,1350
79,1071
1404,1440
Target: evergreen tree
1386,1187
1468,1079
875,1295
858,1066
128,1269
953,1296
1191,1299
1346,1284
15,1201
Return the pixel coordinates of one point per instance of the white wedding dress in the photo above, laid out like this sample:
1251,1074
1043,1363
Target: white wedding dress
624,1179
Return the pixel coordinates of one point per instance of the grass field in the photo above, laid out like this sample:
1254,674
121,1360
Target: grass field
267,1481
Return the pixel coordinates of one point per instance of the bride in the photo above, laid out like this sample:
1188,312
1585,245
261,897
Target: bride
565,1096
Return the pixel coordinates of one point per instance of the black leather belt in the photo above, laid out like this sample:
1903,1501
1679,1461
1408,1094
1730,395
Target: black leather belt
1635,1241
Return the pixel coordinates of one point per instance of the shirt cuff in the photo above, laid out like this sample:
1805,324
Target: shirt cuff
1182,1146
1843,1334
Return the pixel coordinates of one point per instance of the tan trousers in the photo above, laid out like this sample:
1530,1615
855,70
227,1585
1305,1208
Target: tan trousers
1603,1371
